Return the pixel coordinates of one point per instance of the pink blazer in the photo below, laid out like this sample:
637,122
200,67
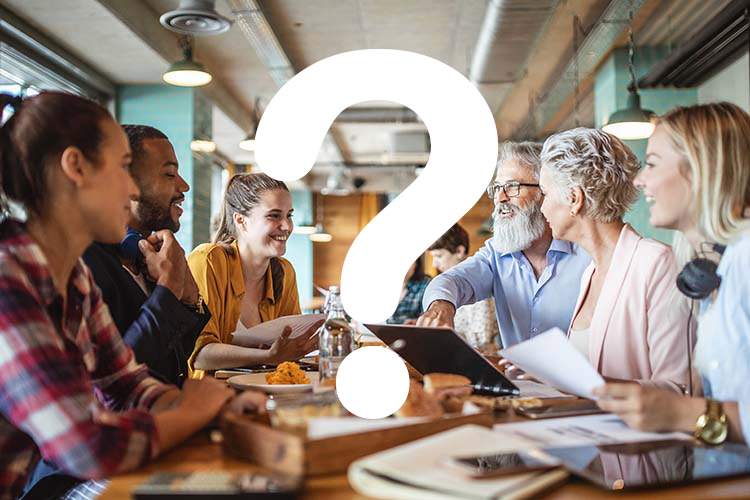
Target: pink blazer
639,326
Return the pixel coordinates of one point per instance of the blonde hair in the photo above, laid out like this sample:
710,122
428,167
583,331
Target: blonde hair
714,140
597,162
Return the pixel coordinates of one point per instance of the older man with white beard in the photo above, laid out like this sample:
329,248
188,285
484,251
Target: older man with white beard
533,278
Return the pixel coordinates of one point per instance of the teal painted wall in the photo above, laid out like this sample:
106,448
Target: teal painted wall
180,113
610,94
299,248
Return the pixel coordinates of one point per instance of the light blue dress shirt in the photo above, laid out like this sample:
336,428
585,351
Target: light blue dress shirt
722,353
525,307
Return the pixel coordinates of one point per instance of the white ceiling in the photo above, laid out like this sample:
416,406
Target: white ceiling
309,31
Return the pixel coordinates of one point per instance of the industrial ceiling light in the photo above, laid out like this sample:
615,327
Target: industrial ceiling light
187,73
248,143
202,146
631,122
304,229
320,236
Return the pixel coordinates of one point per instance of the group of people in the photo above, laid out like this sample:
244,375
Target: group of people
106,327
562,256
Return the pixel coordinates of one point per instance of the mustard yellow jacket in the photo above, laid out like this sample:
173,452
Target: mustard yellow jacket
222,285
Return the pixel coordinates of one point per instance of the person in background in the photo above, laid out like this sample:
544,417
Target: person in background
528,273
70,388
476,322
697,182
410,303
244,279
629,320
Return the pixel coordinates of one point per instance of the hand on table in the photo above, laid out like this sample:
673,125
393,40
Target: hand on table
248,402
646,408
439,314
288,349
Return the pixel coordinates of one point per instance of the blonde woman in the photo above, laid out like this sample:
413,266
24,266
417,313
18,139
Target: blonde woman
244,279
626,319
698,182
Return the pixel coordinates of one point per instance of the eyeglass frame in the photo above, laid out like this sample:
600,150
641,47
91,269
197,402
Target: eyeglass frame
493,188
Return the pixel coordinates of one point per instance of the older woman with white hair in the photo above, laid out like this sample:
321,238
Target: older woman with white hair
629,320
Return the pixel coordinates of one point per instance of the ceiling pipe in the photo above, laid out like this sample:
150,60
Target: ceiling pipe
378,115
258,32
485,40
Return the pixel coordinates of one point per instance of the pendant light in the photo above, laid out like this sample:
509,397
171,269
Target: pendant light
187,73
320,236
631,122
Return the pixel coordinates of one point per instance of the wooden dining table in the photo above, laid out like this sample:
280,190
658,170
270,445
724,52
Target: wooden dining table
204,452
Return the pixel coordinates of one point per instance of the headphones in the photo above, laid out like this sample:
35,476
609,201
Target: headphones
128,247
698,278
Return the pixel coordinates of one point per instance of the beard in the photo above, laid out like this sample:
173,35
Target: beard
154,215
517,233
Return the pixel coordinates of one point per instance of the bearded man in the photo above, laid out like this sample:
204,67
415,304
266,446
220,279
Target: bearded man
145,280
533,278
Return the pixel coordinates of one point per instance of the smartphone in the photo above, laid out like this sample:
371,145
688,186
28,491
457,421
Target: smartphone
217,484
501,464
574,408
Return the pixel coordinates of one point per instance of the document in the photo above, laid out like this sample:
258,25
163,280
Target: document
578,431
421,469
268,332
549,357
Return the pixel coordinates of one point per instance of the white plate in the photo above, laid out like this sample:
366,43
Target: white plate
258,381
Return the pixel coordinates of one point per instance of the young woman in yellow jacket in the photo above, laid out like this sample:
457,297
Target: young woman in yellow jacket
243,278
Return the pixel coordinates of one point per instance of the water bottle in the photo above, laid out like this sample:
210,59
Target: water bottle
336,339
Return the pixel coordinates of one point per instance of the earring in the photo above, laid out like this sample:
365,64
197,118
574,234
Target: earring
572,213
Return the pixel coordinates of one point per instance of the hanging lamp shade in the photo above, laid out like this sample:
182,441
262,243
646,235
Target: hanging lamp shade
187,73
320,236
631,122
248,143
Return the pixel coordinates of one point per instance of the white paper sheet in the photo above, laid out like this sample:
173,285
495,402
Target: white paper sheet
424,465
268,332
549,357
578,431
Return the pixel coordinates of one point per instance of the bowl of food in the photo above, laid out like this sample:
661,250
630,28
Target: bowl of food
287,378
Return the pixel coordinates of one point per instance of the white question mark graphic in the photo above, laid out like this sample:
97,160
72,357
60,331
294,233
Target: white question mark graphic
461,164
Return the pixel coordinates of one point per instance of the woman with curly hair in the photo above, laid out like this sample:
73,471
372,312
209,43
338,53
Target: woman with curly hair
628,320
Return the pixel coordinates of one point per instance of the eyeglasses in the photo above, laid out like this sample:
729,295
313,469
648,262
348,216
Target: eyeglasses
511,189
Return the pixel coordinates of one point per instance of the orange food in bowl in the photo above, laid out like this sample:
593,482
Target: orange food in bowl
286,373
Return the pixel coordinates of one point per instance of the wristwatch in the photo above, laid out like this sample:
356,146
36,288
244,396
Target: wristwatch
712,427
198,307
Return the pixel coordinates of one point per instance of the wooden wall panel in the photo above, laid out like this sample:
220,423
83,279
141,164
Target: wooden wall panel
341,219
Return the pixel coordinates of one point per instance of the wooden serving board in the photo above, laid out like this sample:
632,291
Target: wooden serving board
292,454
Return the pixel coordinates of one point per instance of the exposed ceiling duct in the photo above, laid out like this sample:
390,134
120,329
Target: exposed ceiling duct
378,115
597,43
722,38
195,17
258,32
509,31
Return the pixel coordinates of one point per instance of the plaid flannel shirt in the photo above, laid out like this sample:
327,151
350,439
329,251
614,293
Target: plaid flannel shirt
410,306
70,389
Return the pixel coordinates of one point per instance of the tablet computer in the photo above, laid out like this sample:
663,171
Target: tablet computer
652,464
442,350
